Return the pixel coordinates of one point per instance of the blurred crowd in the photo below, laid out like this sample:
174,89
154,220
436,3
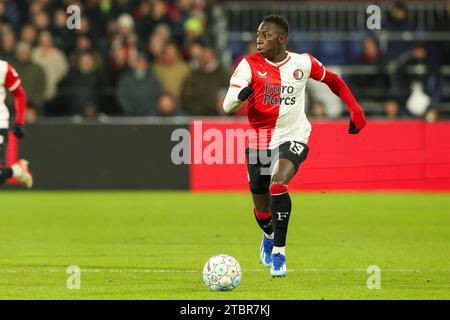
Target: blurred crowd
132,58
409,80
157,58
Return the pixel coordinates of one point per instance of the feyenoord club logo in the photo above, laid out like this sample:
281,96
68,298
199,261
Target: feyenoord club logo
298,74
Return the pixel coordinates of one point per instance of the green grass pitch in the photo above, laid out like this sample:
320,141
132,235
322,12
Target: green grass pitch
153,245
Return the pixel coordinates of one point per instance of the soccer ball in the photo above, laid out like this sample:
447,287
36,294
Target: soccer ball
222,273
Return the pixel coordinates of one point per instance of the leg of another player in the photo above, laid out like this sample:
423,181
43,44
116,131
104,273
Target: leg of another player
19,170
281,207
5,174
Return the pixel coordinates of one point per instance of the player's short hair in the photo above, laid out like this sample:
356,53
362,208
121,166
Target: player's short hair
279,20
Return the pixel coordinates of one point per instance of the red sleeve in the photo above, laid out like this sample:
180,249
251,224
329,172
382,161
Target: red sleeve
317,69
12,80
339,88
13,83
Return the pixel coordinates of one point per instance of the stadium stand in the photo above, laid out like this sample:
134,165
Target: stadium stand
80,72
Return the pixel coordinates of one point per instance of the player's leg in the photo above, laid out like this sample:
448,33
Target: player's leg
290,157
18,170
5,173
281,206
259,187
21,173
263,216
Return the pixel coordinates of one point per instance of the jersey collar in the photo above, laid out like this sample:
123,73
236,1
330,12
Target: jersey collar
281,63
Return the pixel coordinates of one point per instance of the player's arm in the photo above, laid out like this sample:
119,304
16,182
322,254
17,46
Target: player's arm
13,83
239,89
339,88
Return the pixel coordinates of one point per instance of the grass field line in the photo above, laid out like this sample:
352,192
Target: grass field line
128,270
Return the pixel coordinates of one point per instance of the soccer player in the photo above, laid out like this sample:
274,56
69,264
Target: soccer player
273,81
10,79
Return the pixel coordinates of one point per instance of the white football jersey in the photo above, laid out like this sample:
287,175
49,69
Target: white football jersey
276,110
9,79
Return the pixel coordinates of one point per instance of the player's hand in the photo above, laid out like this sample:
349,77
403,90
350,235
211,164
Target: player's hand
352,129
19,131
245,93
357,122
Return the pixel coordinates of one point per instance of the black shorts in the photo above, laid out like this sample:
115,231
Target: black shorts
260,163
3,146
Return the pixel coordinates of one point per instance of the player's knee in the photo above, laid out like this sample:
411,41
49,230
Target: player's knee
278,188
280,178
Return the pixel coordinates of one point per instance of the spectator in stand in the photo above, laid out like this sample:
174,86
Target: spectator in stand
138,90
126,36
120,7
41,21
85,27
116,65
318,110
397,21
374,86
84,44
53,62
97,12
171,70
157,42
32,114
194,52
63,37
203,90
36,7
183,12
8,42
391,109
33,78
28,34
371,53
432,114
141,14
9,13
168,106
149,15
443,25
194,28
418,80
82,84
6,27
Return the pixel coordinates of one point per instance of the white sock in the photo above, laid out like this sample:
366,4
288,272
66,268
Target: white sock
281,250
17,170
270,236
